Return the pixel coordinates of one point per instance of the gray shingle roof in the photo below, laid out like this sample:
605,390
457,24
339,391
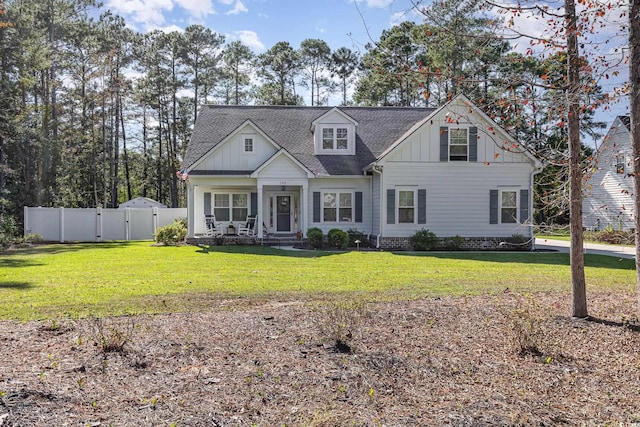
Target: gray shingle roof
290,127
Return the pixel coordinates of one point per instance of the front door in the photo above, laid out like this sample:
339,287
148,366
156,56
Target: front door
283,214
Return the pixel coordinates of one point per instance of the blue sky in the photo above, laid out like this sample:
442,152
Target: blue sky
351,23
262,23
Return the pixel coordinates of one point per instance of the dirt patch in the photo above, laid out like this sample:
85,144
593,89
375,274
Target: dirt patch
452,361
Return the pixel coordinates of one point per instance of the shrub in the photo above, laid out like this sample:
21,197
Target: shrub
341,322
8,230
357,235
314,237
454,243
172,234
424,240
338,239
524,326
110,335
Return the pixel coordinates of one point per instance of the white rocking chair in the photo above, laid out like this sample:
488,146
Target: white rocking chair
249,228
212,229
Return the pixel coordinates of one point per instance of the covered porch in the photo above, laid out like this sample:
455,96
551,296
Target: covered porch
279,207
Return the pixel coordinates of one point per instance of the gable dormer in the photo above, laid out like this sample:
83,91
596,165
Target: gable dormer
334,133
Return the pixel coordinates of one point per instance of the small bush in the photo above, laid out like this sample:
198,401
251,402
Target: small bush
357,235
338,239
8,230
454,243
424,240
341,322
524,323
314,237
33,238
110,335
172,234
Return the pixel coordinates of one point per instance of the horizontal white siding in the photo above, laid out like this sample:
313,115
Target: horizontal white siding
457,196
607,199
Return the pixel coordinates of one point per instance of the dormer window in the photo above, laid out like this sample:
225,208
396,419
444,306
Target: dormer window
335,138
334,133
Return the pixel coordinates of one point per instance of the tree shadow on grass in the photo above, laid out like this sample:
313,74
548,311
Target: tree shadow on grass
56,248
15,285
546,258
263,250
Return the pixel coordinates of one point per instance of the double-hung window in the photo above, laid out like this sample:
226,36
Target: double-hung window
230,206
337,207
620,163
458,145
406,206
508,206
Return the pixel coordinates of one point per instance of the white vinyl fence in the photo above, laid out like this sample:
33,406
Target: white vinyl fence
97,224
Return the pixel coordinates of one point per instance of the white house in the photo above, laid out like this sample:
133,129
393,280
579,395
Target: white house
608,189
385,171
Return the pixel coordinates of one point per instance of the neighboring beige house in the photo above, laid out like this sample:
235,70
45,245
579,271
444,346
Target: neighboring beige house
385,171
607,195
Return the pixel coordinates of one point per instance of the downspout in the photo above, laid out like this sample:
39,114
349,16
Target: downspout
378,169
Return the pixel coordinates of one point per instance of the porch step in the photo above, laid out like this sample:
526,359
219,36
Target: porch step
282,240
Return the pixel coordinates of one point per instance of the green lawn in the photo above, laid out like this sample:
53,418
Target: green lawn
56,281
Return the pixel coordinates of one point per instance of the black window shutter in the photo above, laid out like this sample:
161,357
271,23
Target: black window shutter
254,204
444,144
422,206
473,144
316,206
391,206
358,206
524,205
207,203
493,206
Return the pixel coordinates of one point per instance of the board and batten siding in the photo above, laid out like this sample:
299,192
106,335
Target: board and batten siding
607,199
424,145
231,156
457,196
362,185
282,168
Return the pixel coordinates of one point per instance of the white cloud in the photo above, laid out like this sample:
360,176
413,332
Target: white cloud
197,8
238,8
251,39
151,13
148,12
379,3
227,2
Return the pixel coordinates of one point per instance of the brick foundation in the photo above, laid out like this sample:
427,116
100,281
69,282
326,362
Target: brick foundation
469,244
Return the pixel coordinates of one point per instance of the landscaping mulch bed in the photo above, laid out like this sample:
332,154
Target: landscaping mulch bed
476,361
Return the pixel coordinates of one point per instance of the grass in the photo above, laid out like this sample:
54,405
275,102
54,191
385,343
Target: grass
70,280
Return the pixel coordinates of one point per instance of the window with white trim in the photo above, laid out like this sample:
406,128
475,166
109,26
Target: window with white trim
508,206
337,206
336,139
620,163
248,145
231,206
406,206
458,145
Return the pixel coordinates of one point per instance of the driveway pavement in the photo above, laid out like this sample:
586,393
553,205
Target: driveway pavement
591,248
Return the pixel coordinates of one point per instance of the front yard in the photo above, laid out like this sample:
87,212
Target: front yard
220,337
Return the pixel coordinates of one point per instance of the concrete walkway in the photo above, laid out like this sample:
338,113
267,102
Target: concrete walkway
590,248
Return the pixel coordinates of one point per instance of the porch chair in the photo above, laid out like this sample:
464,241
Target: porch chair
249,228
212,229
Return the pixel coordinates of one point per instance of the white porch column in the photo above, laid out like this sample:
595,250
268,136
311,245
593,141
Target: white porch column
304,208
260,215
190,210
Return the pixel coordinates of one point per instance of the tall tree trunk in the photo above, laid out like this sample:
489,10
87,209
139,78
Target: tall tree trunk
125,155
578,282
634,80
145,153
